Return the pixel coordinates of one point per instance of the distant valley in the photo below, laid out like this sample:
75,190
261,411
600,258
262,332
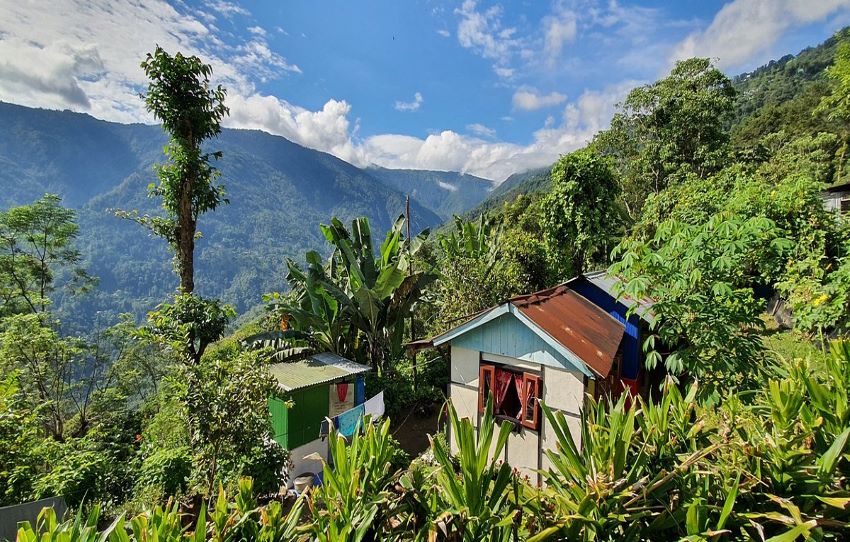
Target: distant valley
279,193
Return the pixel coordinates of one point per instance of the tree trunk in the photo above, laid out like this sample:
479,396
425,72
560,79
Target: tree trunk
186,227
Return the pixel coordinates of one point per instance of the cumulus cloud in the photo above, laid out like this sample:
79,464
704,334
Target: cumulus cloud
84,54
528,99
450,151
745,30
558,29
410,106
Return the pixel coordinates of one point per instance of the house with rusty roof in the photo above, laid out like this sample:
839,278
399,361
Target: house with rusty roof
556,346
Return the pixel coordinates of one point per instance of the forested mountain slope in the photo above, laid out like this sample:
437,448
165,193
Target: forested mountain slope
279,193
779,96
447,193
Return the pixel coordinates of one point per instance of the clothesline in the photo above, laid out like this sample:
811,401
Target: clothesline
346,422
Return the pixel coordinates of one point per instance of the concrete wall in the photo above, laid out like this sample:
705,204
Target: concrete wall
300,465
562,389
464,366
10,516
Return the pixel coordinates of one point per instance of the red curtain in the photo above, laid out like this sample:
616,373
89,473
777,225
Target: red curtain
503,380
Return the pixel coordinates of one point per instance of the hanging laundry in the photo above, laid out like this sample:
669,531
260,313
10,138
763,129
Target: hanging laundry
347,421
342,391
374,407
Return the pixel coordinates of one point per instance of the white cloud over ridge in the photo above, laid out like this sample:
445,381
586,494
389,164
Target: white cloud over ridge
94,68
744,30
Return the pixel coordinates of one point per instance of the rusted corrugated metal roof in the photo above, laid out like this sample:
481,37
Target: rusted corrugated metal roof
582,327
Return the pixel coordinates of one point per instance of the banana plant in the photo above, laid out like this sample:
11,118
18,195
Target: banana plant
481,499
358,302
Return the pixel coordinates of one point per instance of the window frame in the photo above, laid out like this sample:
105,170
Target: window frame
534,422
482,370
488,369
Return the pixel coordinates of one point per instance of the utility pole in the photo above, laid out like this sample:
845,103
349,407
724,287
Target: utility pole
409,272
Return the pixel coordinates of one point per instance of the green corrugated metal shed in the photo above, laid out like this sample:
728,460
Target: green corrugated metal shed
307,384
318,369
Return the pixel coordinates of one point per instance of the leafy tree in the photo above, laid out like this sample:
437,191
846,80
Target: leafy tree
580,212
36,248
20,435
227,406
179,96
669,129
189,325
700,278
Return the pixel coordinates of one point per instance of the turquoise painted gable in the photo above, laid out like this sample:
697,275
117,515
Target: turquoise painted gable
507,336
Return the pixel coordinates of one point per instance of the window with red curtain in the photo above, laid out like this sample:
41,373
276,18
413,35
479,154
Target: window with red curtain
515,394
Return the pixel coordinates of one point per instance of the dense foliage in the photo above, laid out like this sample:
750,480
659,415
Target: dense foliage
775,466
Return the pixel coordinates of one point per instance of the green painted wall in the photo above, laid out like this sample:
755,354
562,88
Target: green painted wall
300,424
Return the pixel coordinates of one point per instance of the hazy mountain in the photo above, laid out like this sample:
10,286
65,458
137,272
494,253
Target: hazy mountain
279,193
446,193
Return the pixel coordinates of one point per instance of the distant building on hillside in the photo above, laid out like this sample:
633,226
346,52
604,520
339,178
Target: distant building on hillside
555,346
837,198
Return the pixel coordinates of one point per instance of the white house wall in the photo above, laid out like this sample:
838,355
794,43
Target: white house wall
562,390
464,366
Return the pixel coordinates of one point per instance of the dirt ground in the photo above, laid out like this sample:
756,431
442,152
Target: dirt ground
413,429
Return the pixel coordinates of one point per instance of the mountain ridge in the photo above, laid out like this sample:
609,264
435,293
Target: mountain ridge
280,192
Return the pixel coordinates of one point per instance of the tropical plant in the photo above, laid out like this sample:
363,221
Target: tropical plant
480,498
358,298
351,503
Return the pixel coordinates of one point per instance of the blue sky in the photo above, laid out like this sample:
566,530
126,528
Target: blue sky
485,87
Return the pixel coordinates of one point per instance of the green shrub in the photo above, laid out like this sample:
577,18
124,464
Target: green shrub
167,470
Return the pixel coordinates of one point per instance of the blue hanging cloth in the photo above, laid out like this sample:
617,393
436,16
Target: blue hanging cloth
347,421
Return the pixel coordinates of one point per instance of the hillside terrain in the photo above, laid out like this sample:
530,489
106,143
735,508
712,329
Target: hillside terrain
279,193
777,96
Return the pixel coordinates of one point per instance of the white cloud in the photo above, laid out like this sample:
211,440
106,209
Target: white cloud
558,29
743,31
447,186
484,33
443,32
257,30
481,130
450,151
228,9
410,106
528,99
84,55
